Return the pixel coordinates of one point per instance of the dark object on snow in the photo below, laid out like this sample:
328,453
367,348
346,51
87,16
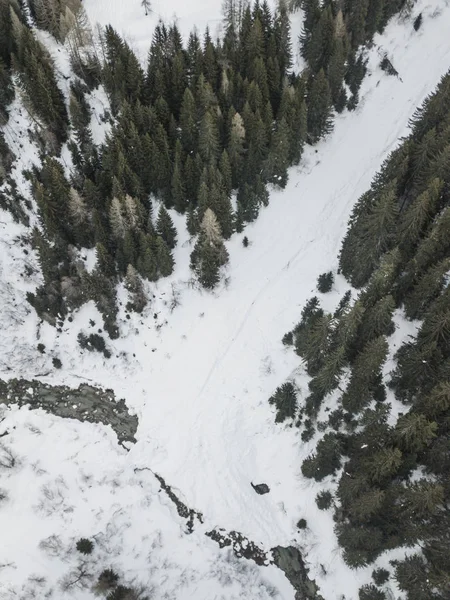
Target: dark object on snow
388,67
261,488
417,22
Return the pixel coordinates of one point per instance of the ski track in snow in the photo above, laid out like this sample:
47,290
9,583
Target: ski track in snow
200,384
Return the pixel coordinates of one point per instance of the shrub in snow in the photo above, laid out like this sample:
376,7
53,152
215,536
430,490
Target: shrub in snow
85,546
107,580
56,363
125,593
388,67
325,282
302,524
288,338
380,576
324,499
370,592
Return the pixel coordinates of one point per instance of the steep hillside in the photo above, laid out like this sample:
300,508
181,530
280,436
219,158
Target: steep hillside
196,367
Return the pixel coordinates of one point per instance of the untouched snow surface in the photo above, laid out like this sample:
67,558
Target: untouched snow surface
199,377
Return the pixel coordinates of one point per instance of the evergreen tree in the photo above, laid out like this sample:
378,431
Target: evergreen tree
285,400
133,284
319,108
365,371
209,253
278,159
208,141
188,122
177,187
165,228
414,432
164,258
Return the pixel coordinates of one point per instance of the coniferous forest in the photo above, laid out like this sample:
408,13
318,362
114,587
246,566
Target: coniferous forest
392,461
205,129
204,119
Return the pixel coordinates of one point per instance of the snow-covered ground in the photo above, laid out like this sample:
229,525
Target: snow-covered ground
199,377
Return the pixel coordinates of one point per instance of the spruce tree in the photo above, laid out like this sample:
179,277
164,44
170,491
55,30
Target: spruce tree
164,258
208,141
188,122
285,400
319,108
278,160
209,253
177,186
365,371
133,283
165,227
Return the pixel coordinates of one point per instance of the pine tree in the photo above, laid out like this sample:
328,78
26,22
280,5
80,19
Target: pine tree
321,43
282,30
419,214
164,258
285,400
147,263
188,122
177,187
366,369
208,142
278,160
383,464
133,283
414,432
116,219
427,288
358,14
209,253
236,147
378,320
165,227
319,108
312,12
226,171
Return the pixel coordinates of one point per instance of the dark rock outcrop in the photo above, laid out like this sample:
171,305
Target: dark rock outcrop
290,561
85,403
261,488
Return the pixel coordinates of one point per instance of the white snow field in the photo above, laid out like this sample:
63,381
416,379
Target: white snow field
199,376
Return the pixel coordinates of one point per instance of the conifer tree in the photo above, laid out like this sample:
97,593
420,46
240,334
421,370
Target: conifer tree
165,227
278,160
226,171
285,400
319,108
282,31
321,43
177,187
366,369
208,141
427,288
116,219
358,14
134,285
164,258
236,147
414,432
188,122
209,253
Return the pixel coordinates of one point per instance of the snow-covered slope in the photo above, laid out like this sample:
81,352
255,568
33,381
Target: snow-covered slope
199,376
